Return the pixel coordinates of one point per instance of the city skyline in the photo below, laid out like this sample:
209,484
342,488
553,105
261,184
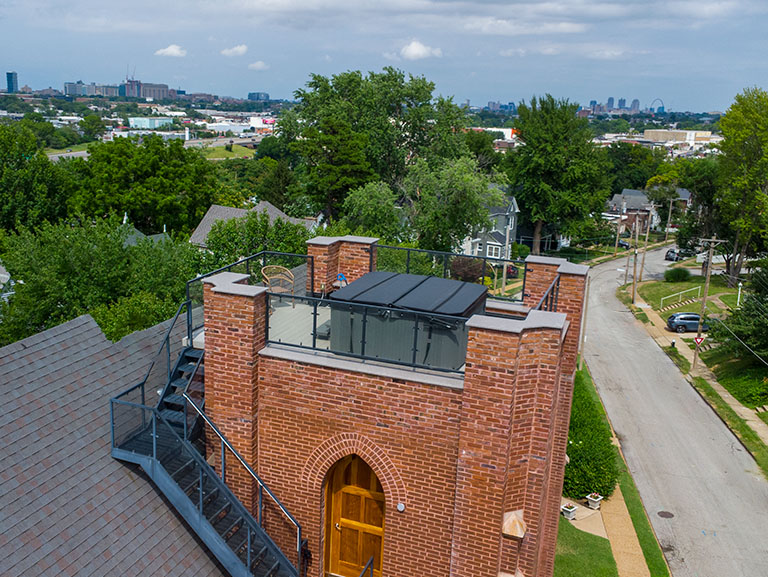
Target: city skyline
693,55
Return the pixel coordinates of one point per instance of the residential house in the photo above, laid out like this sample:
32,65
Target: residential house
491,242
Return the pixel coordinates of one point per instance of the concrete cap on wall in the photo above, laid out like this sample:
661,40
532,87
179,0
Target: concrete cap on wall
575,269
328,240
506,306
537,259
229,283
534,320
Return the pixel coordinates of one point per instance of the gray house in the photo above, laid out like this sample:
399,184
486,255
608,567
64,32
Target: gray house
491,242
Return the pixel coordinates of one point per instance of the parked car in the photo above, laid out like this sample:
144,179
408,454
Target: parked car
623,244
682,322
677,254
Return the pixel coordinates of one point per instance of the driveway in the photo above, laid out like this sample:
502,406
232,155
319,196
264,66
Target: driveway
704,494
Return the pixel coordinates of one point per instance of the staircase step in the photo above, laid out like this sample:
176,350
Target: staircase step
187,368
193,353
190,482
173,417
258,557
174,399
232,528
273,570
220,513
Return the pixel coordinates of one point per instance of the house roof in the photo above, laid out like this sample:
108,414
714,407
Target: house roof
66,506
217,212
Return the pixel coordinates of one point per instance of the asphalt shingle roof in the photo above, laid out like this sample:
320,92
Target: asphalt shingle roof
66,506
217,212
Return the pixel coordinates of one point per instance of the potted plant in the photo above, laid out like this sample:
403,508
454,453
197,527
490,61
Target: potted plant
569,511
593,500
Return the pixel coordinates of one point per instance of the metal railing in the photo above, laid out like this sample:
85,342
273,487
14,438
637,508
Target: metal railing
302,265
262,487
505,278
680,295
548,301
368,568
377,333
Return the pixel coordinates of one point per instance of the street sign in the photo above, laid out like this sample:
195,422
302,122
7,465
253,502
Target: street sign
698,340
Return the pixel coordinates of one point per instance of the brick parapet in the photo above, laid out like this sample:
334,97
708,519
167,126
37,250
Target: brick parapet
234,333
352,256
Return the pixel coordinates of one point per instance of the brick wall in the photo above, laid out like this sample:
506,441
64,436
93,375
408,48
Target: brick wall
349,255
234,333
311,416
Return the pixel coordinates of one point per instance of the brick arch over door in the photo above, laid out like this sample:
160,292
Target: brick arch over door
330,451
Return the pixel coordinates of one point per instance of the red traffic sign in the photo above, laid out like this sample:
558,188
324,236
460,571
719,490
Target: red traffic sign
698,340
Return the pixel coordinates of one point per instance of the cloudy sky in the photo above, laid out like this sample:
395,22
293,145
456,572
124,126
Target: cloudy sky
692,54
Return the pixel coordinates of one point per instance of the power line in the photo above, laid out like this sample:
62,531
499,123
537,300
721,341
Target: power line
762,360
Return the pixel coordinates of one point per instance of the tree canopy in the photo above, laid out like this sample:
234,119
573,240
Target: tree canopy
558,175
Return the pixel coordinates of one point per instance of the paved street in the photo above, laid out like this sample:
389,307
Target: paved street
687,465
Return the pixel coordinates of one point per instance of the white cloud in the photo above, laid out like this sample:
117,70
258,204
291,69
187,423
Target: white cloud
238,50
173,50
416,51
258,65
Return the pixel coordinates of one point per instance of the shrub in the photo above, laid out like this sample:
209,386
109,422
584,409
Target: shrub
592,466
519,251
677,274
466,269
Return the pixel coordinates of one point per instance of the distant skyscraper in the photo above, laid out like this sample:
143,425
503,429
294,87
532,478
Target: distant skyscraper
609,104
635,105
593,104
258,96
622,103
12,80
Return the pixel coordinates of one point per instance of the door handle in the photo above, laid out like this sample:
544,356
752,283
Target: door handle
338,527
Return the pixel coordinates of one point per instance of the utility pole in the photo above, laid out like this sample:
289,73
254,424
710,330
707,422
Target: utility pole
626,268
645,248
669,220
712,242
634,262
616,244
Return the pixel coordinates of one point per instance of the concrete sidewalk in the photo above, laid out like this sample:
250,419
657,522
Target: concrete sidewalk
612,521
657,329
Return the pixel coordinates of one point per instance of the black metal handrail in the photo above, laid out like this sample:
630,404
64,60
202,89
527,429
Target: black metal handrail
548,301
440,265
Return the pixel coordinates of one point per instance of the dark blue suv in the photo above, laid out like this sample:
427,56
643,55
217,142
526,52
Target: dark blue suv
682,322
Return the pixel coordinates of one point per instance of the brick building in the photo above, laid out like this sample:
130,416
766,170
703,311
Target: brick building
425,470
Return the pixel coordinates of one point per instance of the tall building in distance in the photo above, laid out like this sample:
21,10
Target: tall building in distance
609,103
258,96
622,103
12,81
635,107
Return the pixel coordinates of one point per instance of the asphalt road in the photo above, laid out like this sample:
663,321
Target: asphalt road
704,494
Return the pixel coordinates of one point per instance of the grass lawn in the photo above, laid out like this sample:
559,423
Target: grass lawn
683,363
730,299
653,292
579,554
654,558
744,379
73,148
219,152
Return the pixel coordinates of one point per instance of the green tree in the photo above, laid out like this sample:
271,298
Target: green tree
92,127
480,144
159,184
234,239
559,176
632,165
372,210
336,162
32,189
743,200
449,202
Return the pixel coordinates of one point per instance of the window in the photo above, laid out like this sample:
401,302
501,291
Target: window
479,249
494,251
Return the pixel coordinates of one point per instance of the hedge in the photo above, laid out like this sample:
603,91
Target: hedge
677,274
592,466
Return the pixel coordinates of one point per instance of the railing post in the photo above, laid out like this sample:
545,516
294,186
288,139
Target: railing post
415,338
186,436
112,421
312,275
223,462
407,261
314,324
261,505
362,339
248,552
154,435
445,266
298,548
200,491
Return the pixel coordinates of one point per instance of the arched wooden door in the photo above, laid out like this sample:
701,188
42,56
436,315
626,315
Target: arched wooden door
354,518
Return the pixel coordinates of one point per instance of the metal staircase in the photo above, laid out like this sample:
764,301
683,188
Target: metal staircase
165,439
